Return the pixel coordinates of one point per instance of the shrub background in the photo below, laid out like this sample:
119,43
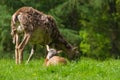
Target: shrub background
91,25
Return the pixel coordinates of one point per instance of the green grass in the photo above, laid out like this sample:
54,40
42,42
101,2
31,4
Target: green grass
84,69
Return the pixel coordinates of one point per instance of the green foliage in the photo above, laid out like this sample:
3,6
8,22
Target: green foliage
98,22
85,69
67,14
100,28
5,37
71,35
94,44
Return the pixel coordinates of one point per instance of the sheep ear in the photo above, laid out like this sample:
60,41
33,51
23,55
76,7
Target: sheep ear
47,47
59,51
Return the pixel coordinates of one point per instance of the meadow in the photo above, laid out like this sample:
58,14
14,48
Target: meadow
84,69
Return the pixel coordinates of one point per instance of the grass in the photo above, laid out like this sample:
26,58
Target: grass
84,69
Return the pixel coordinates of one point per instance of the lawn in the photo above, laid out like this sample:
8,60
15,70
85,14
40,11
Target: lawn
84,69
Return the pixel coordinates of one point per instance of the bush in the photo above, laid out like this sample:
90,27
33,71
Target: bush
94,44
5,37
71,36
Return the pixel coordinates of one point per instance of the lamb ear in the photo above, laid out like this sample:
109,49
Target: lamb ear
48,49
59,51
